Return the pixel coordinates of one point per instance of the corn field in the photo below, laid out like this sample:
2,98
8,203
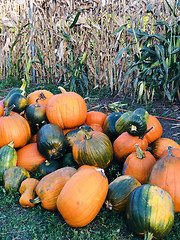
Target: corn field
44,26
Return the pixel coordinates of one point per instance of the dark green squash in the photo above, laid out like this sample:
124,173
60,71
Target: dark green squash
19,101
49,166
94,149
8,158
36,114
150,211
120,123
109,125
68,161
51,142
14,90
136,123
118,192
14,176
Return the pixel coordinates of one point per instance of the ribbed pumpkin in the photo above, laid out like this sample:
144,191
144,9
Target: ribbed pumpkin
165,174
8,158
51,142
50,186
42,95
29,157
125,144
14,128
14,176
27,191
175,152
67,109
109,125
162,144
95,119
120,123
94,148
82,197
138,164
155,128
118,192
150,211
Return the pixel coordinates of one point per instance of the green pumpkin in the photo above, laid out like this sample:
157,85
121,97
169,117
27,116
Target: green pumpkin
109,125
8,158
36,114
14,90
19,101
14,176
49,166
136,123
150,211
118,192
120,123
94,149
68,161
51,142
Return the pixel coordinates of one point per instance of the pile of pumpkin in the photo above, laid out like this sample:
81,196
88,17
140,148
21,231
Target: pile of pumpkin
72,148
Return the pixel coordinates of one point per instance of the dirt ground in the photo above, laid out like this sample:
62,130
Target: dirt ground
168,114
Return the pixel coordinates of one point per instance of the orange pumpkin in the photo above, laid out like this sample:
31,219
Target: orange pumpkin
96,119
1,111
43,97
50,186
14,128
162,144
27,191
125,144
67,109
165,174
175,152
138,164
155,128
29,157
82,197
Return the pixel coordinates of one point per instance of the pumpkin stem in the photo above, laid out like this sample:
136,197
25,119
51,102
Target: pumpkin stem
47,163
42,96
139,151
87,135
35,200
37,101
9,109
23,86
148,236
11,144
170,151
62,89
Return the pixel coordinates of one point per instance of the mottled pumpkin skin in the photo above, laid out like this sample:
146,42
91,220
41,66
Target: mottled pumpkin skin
50,186
96,151
14,176
14,128
165,174
8,158
67,110
82,197
150,210
118,192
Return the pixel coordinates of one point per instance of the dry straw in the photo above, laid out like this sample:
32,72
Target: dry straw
92,34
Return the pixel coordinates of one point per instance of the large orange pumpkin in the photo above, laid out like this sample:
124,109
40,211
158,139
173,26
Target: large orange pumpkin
83,196
1,111
67,109
29,157
165,174
14,128
43,97
125,144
